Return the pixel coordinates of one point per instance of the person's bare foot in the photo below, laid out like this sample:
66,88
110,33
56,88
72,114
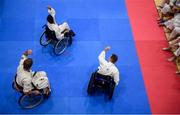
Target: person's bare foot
171,59
166,49
159,19
170,42
160,24
159,6
167,31
177,72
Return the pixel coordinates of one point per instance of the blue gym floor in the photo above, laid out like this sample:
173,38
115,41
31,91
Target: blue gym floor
97,23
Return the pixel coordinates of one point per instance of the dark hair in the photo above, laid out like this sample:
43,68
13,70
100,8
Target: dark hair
27,64
114,58
50,19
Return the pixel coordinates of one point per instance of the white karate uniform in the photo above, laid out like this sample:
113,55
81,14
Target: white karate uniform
177,52
55,27
24,78
40,80
108,68
166,9
175,32
178,3
52,12
172,2
174,22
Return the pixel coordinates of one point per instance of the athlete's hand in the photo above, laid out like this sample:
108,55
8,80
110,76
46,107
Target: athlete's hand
28,52
107,48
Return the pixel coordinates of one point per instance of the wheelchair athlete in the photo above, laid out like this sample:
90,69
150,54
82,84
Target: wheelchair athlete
107,75
26,79
62,30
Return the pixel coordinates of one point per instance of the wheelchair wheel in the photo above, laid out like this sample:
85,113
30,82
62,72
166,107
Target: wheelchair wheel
30,101
61,46
90,89
111,91
13,85
43,40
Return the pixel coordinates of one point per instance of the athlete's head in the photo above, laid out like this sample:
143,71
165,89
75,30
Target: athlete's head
50,19
113,58
27,64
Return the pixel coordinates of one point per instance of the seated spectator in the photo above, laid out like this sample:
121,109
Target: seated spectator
163,2
172,44
170,18
173,25
175,44
169,7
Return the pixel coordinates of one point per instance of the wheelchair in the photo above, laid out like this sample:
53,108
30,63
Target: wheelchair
27,101
102,82
60,46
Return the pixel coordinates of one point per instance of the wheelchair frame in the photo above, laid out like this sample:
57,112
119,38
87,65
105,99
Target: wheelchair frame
50,37
36,99
106,83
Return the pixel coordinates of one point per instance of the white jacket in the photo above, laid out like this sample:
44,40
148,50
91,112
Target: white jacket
108,68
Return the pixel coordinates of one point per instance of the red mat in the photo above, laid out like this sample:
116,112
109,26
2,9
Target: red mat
161,82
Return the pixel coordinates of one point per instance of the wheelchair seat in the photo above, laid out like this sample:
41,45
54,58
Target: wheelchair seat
103,82
27,101
50,34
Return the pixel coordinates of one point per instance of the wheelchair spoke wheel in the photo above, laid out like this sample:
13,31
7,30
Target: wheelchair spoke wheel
30,101
13,86
13,83
90,89
111,91
61,46
44,41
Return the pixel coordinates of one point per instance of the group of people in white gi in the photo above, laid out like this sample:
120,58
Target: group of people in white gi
170,18
39,81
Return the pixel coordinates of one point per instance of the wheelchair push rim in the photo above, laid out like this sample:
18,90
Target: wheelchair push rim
111,91
13,85
90,89
44,41
61,46
30,101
